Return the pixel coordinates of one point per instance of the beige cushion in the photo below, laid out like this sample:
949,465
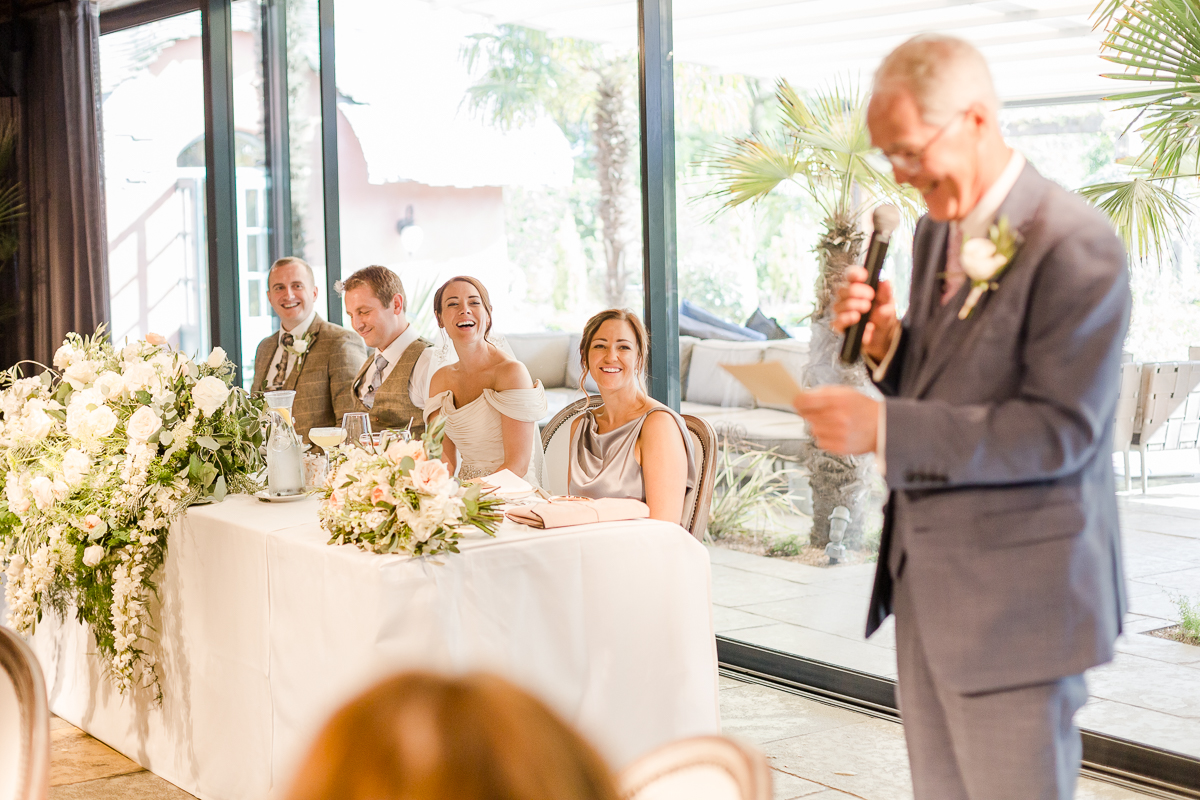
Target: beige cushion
686,343
794,357
709,384
574,369
544,354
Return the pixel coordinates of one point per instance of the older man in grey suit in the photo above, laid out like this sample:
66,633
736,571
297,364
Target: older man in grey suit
1001,553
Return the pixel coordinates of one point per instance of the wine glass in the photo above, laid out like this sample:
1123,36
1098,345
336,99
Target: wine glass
355,424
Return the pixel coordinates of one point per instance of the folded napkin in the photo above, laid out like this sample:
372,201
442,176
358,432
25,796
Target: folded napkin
506,482
561,512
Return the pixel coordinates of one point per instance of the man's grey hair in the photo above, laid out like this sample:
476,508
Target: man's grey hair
944,73
312,278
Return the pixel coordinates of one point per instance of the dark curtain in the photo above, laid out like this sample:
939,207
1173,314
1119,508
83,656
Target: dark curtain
60,275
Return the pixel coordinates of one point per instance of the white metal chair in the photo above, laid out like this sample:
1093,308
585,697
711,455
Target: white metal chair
1128,408
24,722
701,768
1170,409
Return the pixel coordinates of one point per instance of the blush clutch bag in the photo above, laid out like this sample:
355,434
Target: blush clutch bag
562,512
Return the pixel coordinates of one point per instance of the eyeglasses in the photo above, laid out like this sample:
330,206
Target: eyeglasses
911,162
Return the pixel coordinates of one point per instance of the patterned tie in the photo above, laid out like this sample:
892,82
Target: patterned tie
369,397
281,370
954,277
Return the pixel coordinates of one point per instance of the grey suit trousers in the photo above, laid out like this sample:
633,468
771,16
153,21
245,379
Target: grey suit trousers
1002,745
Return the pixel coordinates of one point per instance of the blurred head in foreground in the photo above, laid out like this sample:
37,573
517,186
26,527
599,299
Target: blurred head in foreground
421,736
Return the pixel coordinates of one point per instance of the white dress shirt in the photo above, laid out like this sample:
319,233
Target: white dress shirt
298,333
975,224
418,383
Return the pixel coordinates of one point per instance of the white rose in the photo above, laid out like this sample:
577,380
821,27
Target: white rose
140,375
300,346
16,494
143,424
36,424
422,530
76,464
93,555
42,489
217,357
429,476
81,373
210,394
100,423
979,259
109,384
64,355
156,339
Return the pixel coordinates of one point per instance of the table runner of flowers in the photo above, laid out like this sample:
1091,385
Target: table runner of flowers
97,457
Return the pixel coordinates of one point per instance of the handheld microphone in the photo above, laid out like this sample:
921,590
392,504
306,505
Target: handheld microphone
885,218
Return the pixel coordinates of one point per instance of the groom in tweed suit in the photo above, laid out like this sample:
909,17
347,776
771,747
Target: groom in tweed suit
1000,554
393,383
315,358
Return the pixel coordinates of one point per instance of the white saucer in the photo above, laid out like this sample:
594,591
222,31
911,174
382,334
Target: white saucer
291,498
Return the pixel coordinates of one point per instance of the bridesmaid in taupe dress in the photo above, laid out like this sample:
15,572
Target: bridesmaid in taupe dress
623,448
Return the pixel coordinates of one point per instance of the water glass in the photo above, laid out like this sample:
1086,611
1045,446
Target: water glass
356,424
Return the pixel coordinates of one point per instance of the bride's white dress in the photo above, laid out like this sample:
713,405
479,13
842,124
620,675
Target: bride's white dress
475,428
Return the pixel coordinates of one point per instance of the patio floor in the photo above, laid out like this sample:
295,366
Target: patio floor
1150,693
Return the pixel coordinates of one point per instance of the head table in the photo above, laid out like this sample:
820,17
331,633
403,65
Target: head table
264,629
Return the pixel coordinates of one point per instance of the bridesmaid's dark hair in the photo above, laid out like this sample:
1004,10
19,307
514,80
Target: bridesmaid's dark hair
483,298
640,339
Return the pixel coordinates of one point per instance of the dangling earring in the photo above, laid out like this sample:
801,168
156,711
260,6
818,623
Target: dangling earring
444,350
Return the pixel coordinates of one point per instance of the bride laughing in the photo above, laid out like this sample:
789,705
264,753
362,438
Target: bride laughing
490,404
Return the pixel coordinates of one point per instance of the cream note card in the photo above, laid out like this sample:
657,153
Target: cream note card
768,381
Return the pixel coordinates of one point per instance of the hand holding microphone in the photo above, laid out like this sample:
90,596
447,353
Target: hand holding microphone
865,309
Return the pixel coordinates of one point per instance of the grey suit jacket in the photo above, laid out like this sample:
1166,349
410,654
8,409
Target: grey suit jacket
322,379
999,453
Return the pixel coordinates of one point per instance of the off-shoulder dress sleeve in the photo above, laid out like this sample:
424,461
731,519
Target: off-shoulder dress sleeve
523,405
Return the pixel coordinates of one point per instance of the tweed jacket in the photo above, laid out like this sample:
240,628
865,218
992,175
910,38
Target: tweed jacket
393,408
321,379
998,452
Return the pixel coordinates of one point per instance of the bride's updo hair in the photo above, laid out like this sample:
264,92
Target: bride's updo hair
640,340
483,298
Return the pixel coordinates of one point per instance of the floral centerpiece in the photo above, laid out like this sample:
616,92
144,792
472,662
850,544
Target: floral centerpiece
96,459
401,498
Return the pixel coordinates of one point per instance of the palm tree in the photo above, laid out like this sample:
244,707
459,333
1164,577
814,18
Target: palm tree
825,149
587,93
1158,44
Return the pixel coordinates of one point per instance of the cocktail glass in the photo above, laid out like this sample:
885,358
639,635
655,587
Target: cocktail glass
325,438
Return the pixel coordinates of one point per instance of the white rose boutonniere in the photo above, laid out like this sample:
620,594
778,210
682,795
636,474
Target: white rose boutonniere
985,260
302,345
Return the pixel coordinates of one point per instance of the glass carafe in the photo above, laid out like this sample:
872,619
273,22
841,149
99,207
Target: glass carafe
285,468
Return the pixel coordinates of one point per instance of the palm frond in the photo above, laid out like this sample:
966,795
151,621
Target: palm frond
1146,215
747,170
1104,12
1158,42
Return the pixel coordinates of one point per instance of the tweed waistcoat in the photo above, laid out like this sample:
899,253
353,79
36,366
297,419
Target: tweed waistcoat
393,408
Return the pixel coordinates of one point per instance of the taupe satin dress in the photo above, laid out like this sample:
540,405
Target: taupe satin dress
603,464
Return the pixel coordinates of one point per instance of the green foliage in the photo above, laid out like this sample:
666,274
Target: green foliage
748,488
1146,214
1189,618
1157,43
825,148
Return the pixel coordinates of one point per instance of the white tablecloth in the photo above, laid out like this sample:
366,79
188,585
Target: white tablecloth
265,630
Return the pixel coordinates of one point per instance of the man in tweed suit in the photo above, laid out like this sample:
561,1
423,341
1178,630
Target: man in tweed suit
393,383
315,358
1000,555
